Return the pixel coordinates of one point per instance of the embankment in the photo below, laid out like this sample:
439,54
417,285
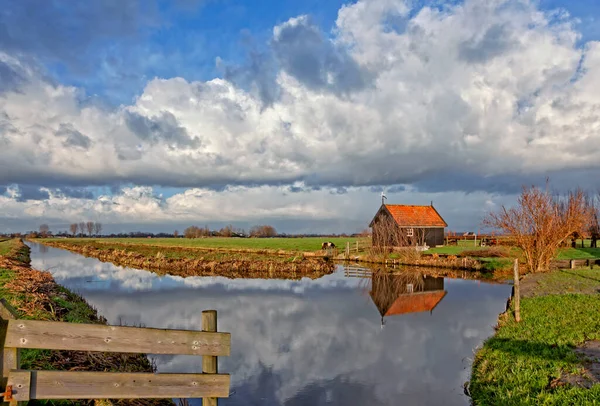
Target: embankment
551,356
35,295
183,261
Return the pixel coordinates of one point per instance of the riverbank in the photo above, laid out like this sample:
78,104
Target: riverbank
184,261
205,257
544,359
35,295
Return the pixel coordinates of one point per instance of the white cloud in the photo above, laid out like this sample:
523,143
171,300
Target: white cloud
396,96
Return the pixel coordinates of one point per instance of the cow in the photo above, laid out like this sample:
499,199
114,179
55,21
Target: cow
327,245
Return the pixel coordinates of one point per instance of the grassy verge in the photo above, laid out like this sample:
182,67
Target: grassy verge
521,363
36,296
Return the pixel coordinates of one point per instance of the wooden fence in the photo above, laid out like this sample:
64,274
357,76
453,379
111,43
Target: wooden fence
24,385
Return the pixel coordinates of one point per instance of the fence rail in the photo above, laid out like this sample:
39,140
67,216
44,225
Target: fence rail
24,385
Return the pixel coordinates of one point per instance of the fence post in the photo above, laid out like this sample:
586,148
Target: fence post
572,264
347,249
209,362
357,246
517,291
9,357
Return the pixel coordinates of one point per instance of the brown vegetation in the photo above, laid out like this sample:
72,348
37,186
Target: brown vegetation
193,262
541,222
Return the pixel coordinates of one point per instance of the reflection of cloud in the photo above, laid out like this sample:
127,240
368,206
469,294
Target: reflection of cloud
324,345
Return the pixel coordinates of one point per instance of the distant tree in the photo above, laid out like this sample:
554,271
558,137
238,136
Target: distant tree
44,229
90,227
263,231
82,228
175,233
226,231
97,228
191,232
73,229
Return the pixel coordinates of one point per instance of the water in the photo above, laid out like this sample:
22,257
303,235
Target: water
306,342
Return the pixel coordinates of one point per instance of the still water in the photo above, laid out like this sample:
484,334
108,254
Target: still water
337,340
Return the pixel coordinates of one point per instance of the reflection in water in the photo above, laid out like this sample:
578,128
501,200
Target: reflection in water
403,293
305,342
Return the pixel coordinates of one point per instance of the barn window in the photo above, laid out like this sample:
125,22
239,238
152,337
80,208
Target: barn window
410,232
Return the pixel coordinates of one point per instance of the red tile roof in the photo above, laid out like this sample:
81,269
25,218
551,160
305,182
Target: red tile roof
416,302
415,216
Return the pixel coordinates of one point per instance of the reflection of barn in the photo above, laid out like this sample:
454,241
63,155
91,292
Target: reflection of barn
398,225
405,293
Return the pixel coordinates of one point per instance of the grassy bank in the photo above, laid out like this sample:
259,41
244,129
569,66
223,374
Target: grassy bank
531,362
35,295
187,261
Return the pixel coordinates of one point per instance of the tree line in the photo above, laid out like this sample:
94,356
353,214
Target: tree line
259,231
82,228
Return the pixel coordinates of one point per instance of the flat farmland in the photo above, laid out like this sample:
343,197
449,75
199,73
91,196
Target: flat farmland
285,244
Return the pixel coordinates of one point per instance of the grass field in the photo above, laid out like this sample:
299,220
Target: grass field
286,244
6,246
520,363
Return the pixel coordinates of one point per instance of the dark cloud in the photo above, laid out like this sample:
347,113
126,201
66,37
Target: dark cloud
10,79
303,52
257,73
163,128
494,42
42,192
64,30
28,192
73,138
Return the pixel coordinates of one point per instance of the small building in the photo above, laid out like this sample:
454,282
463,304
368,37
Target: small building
399,225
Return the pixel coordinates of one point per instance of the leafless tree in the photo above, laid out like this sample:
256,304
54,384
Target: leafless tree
90,227
175,233
82,228
541,222
44,229
73,228
263,231
226,231
97,228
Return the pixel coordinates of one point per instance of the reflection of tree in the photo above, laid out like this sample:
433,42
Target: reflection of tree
407,292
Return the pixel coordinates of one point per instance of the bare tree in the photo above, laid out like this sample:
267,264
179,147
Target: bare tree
82,228
97,228
226,231
73,229
44,229
263,231
90,227
175,233
541,222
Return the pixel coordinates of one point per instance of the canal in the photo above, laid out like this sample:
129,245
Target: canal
337,340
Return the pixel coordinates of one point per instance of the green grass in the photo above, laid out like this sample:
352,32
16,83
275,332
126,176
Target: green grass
516,366
496,264
6,245
578,253
565,281
287,244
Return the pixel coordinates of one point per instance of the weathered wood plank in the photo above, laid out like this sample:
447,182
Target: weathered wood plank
21,385
96,337
209,363
118,385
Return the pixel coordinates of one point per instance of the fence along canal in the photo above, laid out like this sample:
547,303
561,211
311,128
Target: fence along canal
24,385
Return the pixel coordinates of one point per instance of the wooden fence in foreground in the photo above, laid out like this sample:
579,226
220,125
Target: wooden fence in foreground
24,385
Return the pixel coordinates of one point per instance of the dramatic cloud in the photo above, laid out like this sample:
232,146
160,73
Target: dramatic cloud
477,96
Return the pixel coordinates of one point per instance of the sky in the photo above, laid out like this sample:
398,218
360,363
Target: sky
155,115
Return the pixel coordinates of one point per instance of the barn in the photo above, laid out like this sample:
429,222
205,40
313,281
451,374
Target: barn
399,225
